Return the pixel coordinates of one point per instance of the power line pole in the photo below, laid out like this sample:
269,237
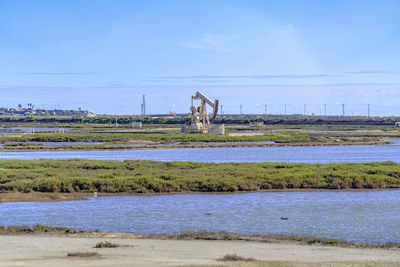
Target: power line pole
144,105
325,108
241,109
343,110
368,111
222,113
265,107
305,109
285,109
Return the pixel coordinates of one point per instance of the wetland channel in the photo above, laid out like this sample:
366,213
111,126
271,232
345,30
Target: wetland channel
371,217
304,154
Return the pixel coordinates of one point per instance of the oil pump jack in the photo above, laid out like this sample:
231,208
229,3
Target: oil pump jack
200,120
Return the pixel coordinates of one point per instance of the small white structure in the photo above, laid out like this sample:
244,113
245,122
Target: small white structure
137,124
256,124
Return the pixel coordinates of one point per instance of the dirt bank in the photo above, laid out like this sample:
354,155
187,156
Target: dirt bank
52,250
39,197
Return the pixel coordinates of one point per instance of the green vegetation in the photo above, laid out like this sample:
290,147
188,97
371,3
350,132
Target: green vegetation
119,140
163,177
282,137
31,115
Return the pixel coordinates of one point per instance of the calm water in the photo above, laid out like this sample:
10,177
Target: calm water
56,143
364,217
231,143
315,154
28,130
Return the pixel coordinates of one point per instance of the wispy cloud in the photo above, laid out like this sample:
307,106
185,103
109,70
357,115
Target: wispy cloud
237,43
210,41
55,73
115,84
274,76
375,72
286,32
215,42
286,76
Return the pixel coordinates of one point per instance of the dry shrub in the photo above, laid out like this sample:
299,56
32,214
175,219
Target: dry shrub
83,254
235,257
106,245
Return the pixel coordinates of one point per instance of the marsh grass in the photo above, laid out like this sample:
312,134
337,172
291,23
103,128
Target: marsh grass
123,137
103,176
115,141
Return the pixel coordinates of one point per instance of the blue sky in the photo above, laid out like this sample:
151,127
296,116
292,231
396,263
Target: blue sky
103,55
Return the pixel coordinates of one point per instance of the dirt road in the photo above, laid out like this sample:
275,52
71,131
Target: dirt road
45,250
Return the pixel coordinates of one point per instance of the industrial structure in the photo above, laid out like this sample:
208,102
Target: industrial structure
143,106
199,117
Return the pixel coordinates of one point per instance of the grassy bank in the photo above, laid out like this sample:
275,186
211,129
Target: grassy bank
68,176
283,137
202,235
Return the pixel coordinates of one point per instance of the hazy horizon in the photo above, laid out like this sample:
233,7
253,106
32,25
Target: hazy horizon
104,55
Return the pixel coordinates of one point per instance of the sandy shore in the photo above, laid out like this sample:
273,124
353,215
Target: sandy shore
52,250
40,197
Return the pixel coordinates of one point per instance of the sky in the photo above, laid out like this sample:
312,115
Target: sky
104,55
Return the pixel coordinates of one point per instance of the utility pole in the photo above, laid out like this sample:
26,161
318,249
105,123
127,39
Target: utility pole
285,109
265,107
343,110
241,109
325,108
368,111
222,113
305,109
144,105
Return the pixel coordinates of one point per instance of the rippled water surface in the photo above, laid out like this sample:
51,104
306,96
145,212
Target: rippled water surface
364,216
27,130
313,154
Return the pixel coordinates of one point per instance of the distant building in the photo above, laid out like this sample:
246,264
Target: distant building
137,124
256,124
